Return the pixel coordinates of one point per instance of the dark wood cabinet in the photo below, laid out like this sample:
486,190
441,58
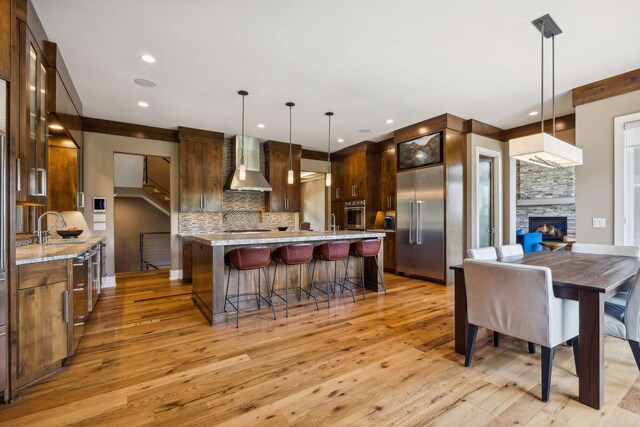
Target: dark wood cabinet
337,179
187,260
44,313
337,209
283,197
5,39
32,176
390,252
63,178
388,172
201,180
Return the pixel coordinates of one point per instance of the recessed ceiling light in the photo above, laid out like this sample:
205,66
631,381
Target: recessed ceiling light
144,83
340,140
364,130
148,58
389,121
55,127
260,125
143,104
533,113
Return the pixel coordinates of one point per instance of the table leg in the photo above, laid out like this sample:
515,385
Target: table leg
591,341
460,312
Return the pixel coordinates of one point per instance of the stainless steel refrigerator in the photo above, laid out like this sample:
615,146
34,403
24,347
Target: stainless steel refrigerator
420,223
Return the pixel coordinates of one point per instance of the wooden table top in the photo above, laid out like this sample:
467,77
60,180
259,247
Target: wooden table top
600,273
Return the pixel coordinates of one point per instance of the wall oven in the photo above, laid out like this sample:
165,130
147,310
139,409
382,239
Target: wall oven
355,217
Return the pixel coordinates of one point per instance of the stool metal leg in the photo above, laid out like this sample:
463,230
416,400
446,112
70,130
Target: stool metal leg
364,292
286,290
226,293
266,279
259,294
326,269
346,280
238,302
381,274
312,291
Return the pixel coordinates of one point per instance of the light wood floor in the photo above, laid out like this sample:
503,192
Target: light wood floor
149,358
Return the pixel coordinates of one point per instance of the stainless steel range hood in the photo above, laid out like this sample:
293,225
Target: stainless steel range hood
254,181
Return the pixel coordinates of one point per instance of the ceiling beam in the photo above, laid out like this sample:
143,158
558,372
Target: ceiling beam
606,88
109,127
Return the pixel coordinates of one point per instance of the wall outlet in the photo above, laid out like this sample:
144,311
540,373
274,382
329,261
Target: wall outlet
99,226
599,222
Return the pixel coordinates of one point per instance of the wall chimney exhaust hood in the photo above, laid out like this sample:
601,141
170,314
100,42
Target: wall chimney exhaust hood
254,181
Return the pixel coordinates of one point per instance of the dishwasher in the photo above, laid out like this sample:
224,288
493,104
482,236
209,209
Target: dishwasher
81,286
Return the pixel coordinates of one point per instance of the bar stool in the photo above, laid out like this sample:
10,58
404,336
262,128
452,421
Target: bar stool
294,254
332,252
367,248
246,259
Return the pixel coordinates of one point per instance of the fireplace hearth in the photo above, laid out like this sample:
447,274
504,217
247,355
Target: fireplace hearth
553,228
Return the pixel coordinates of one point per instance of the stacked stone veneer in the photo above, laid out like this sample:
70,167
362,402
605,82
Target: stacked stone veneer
537,182
241,210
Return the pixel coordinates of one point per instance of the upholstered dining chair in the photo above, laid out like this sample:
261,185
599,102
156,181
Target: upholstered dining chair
620,299
624,321
518,300
509,250
483,253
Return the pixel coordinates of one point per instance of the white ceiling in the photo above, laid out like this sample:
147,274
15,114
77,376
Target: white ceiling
366,60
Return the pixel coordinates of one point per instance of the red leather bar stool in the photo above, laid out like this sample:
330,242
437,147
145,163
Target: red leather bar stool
367,248
332,252
295,254
246,259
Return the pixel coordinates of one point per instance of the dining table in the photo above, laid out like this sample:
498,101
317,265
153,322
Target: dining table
589,279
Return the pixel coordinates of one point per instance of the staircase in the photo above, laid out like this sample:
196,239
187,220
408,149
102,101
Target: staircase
157,180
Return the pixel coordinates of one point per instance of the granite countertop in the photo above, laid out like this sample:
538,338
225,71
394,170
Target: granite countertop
31,254
229,239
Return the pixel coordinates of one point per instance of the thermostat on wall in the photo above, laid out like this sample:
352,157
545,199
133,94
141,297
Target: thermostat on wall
99,204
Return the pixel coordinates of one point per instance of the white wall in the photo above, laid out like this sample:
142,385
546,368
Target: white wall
595,178
99,150
312,200
128,170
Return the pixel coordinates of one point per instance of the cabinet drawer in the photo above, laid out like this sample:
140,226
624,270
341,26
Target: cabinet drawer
42,273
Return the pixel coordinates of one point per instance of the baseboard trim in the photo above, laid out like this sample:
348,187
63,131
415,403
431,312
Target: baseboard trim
109,282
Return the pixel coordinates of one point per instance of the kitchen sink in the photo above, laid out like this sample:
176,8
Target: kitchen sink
66,242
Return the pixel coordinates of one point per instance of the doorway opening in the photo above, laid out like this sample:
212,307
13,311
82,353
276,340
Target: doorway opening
142,214
313,196
486,215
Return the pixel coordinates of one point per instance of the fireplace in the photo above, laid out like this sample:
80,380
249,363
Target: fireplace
553,228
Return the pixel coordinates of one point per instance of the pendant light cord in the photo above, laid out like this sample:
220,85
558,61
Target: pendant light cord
553,81
329,148
290,159
542,79
242,142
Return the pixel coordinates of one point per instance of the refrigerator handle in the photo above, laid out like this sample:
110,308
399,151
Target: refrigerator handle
418,220
411,242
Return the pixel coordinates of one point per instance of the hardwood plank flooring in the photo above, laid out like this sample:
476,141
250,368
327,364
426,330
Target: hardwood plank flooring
149,358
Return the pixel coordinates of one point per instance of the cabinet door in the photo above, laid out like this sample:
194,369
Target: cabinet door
191,179
337,180
212,185
43,327
278,165
388,178
355,174
63,175
390,252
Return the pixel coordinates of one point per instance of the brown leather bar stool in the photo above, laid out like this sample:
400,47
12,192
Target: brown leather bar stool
367,248
295,254
332,252
246,259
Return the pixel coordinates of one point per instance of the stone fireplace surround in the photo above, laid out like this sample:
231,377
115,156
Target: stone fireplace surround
544,192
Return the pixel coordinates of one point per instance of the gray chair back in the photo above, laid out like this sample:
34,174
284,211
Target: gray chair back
509,250
483,253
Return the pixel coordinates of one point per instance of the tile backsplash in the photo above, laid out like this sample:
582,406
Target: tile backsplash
241,210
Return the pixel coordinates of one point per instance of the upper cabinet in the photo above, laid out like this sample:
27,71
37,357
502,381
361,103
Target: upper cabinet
201,178
388,168
337,180
283,197
5,39
32,158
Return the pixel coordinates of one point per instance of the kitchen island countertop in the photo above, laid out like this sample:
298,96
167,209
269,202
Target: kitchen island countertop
230,239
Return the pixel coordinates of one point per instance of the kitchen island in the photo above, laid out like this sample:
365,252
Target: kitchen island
210,272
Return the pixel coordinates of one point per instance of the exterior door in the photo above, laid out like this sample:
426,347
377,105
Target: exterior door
405,233
486,227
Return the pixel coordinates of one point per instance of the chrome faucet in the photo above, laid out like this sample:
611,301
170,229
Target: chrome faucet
333,222
42,236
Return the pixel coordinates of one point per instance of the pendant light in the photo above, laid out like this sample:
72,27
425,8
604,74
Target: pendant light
543,149
328,175
243,170
290,177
